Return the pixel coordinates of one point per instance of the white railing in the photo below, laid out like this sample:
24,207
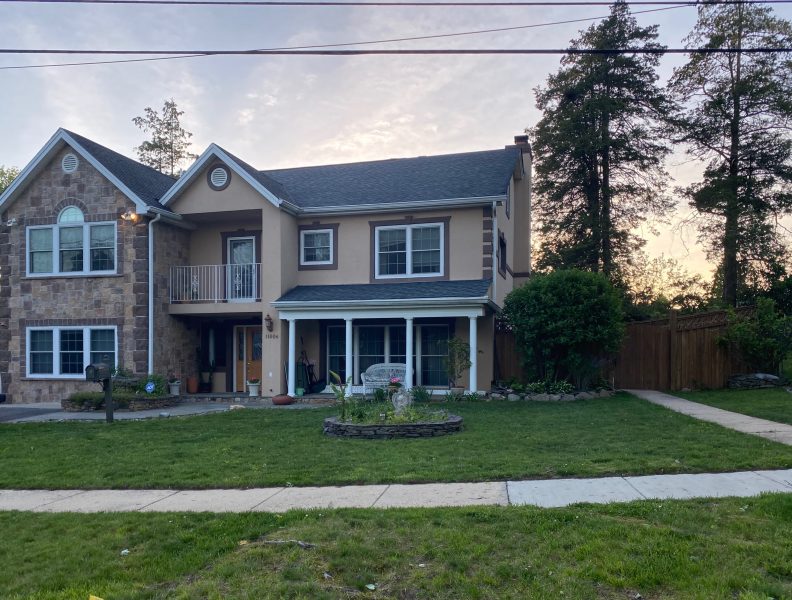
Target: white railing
215,283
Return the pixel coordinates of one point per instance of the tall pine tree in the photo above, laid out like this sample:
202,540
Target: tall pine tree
598,152
737,116
169,146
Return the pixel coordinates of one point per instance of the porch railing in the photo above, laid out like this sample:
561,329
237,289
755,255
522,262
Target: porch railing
215,283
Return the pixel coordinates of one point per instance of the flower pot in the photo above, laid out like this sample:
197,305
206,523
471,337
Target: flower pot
253,389
175,389
192,385
282,400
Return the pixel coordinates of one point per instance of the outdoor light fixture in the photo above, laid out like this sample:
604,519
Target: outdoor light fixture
129,216
268,323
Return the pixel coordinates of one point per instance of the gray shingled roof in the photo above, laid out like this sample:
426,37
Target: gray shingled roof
425,178
260,176
423,290
146,183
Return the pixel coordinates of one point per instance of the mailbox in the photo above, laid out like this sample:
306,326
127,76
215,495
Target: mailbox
97,372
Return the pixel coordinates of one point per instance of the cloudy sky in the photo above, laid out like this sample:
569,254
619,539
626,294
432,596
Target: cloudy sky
291,111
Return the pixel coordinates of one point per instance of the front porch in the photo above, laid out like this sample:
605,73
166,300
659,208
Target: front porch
351,327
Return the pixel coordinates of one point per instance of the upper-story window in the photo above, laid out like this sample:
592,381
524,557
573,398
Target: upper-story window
72,246
409,250
316,247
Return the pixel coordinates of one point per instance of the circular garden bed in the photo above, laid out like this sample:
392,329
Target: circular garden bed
336,428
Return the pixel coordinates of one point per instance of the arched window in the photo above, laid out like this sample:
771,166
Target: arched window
72,247
71,214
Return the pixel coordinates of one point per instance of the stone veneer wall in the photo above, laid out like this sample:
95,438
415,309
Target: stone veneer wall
176,339
119,299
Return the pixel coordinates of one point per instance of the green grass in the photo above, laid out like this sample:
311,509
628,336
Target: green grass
253,448
772,404
704,549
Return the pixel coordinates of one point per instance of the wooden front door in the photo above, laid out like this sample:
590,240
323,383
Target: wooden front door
247,350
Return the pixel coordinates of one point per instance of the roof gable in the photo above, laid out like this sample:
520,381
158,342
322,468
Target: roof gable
263,184
141,184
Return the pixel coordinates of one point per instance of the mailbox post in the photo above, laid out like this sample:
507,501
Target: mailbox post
100,373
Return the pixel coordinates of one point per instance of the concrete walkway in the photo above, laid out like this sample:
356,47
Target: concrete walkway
544,493
778,432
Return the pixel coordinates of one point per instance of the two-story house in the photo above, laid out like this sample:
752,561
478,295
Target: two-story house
256,272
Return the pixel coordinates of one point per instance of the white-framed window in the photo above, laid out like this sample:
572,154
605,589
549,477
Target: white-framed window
316,247
72,246
409,250
64,352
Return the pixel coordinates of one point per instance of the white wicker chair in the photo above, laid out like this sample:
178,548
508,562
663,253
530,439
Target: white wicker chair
379,375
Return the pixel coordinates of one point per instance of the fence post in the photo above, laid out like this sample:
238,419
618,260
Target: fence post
672,349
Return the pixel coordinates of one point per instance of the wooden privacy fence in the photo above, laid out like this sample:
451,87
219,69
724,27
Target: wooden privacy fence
666,354
676,352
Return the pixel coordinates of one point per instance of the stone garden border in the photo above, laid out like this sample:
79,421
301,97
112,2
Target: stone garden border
514,397
335,428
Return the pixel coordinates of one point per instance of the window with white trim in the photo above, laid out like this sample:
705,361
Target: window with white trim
64,352
72,247
316,247
409,250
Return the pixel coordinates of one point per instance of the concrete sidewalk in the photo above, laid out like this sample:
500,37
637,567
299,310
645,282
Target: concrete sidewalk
544,493
778,432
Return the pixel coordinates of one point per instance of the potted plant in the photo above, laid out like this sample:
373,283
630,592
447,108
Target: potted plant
174,385
457,362
254,385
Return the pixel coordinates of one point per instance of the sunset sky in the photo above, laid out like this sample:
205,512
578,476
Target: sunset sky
290,111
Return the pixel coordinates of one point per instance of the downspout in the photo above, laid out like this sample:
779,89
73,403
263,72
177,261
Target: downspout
151,293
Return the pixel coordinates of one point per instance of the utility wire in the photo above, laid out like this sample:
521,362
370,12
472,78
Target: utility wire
405,3
383,41
461,51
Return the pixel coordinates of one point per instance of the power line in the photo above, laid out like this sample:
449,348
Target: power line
406,52
382,41
404,3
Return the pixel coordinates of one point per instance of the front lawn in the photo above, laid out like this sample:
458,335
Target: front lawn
255,448
733,548
773,404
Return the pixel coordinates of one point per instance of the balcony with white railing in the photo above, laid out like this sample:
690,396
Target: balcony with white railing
216,284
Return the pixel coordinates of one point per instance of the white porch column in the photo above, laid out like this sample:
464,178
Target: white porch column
350,367
408,374
292,357
473,354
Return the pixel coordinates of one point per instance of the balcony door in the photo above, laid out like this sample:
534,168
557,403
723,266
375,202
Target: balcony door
241,276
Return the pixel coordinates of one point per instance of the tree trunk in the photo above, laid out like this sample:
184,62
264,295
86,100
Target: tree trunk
605,219
732,211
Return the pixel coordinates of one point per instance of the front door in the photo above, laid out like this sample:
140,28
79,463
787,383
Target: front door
247,359
242,269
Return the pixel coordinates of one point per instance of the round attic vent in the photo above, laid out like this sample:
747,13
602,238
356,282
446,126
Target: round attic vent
219,178
69,163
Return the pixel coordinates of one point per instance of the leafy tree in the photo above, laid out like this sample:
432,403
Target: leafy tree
567,324
598,150
737,116
660,284
763,339
169,145
7,175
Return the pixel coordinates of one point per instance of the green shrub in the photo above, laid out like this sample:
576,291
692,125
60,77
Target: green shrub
420,394
567,325
380,395
371,413
160,385
762,339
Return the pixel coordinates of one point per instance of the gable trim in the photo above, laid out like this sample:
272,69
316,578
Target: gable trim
215,151
61,136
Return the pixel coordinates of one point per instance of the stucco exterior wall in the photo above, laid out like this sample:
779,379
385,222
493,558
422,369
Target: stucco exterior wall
118,300
355,252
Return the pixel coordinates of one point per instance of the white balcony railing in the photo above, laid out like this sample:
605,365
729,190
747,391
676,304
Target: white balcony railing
215,283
